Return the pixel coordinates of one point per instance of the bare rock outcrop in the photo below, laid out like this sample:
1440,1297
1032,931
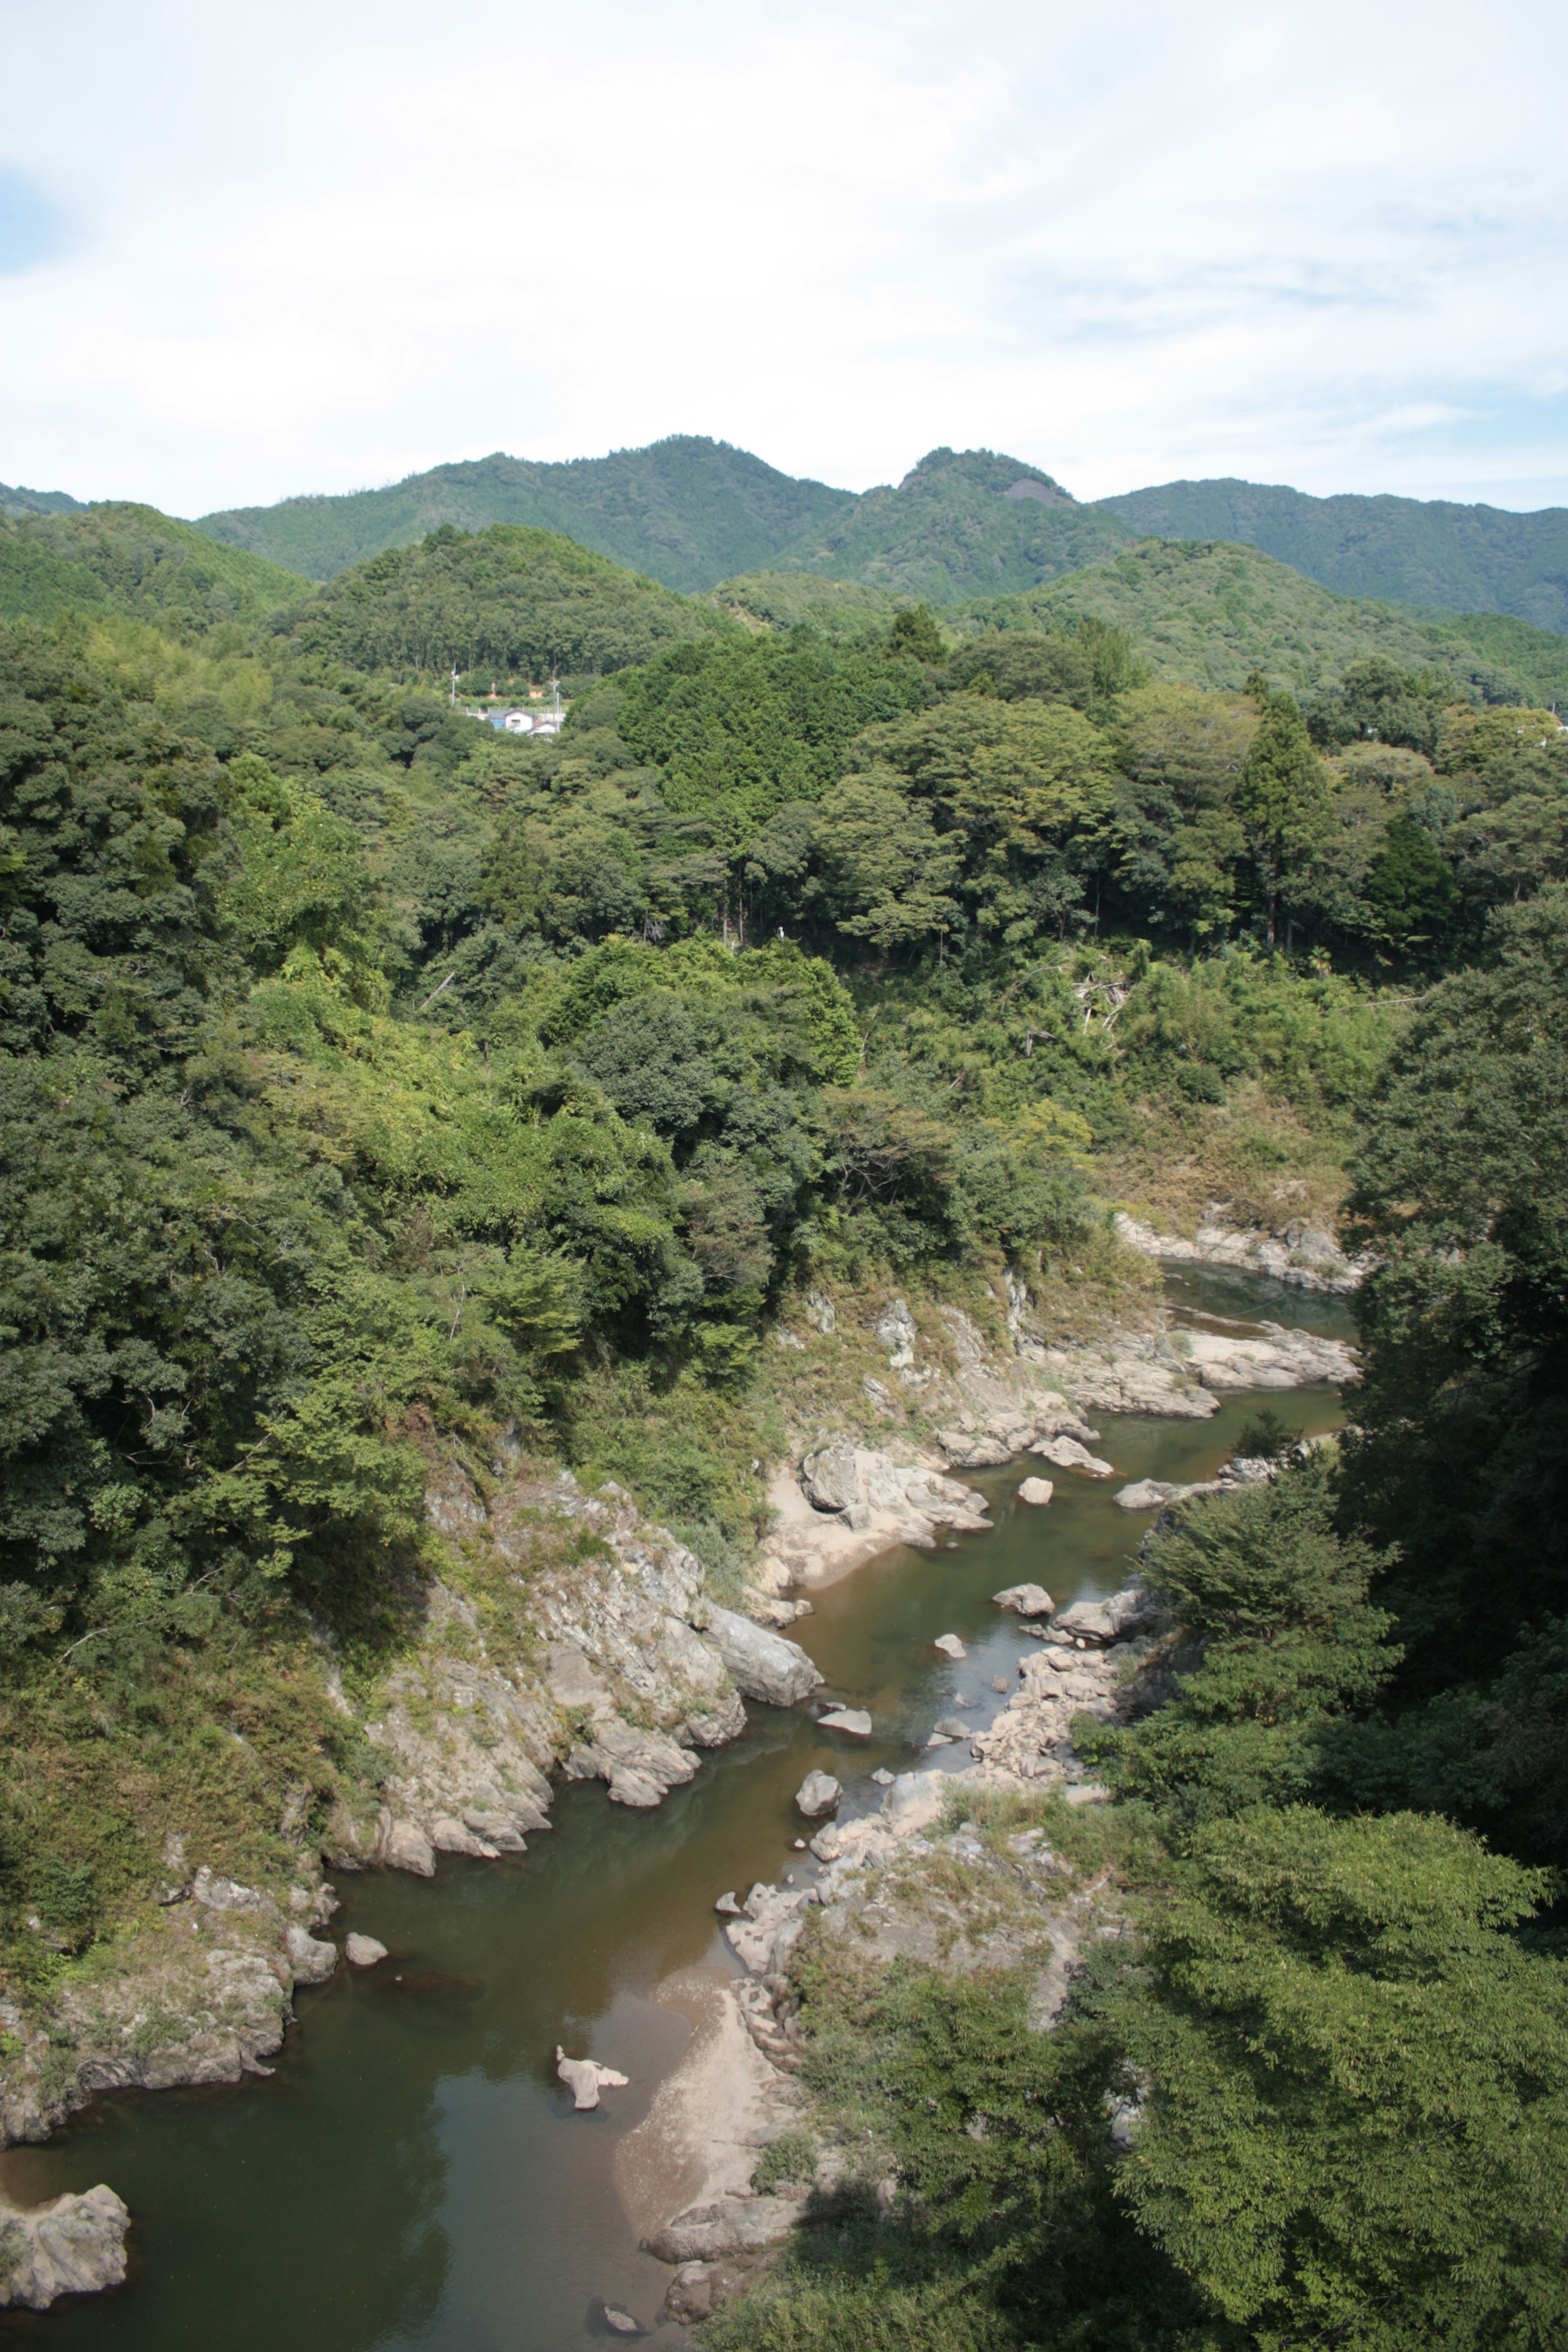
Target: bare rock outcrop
73,2245
1301,1253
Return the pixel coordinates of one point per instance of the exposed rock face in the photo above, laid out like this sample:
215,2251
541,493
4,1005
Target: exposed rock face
585,2080
471,1739
73,2245
762,1663
1024,1601
1302,1254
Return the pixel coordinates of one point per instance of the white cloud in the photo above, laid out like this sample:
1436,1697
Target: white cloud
339,243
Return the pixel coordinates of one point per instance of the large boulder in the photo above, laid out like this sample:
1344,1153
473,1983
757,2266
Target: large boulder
311,1959
763,1665
1024,1601
1067,1454
854,1720
1035,1490
1126,1612
73,2245
705,2232
585,2080
405,1846
830,1478
818,1794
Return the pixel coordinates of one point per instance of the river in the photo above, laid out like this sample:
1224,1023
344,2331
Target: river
413,2175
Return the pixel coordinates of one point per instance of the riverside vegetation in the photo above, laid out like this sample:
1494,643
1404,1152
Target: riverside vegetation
379,1088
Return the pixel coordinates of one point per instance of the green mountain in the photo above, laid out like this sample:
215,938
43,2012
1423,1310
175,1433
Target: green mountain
686,510
1417,550
962,524
132,558
692,513
36,502
507,602
1210,612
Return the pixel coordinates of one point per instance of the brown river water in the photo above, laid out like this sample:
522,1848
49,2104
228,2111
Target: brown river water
413,2176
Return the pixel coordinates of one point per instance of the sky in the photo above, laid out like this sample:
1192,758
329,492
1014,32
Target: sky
244,254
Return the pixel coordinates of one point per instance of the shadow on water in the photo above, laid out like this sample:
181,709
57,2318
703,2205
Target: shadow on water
413,2175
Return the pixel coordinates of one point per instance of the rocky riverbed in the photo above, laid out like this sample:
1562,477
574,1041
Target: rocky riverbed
570,1639
882,1873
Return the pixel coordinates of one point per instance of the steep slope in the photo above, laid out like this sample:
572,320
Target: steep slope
1208,613
132,558
962,523
507,601
686,510
1417,550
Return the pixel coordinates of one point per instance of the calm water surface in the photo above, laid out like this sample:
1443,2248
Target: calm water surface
413,2175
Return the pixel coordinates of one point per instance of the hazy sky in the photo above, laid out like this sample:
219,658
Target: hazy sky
315,247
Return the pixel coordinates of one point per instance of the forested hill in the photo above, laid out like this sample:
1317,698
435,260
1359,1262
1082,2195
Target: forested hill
118,558
1209,613
1471,559
962,523
499,603
17,501
691,513
686,510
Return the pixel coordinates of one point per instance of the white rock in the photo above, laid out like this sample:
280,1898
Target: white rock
818,1794
585,2080
362,1951
728,1907
853,1720
950,1645
621,2321
1035,1490
1024,1601
883,1777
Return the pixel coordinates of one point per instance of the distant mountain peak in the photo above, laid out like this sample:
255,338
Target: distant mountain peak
988,469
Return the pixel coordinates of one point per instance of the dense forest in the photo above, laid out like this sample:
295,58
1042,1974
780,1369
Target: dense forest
370,1075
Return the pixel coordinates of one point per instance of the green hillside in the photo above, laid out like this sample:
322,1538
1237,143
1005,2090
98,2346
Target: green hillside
1209,614
17,501
782,600
507,602
686,510
962,524
1417,550
132,558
